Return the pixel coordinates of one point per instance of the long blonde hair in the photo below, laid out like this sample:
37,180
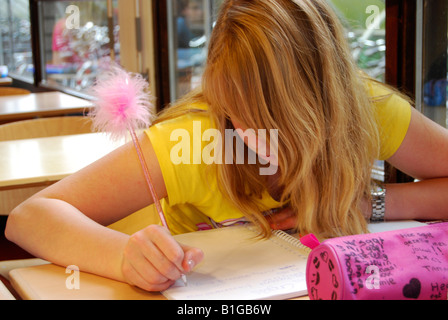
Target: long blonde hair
283,64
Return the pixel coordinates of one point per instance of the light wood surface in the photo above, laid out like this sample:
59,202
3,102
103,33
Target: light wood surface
49,282
32,162
37,128
52,282
6,81
45,104
8,265
4,293
11,91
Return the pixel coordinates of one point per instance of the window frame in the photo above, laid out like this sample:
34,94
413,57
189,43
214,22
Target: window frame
400,63
38,84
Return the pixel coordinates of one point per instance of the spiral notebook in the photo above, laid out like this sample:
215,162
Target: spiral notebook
238,265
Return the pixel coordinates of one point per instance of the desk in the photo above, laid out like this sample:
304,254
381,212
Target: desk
42,160
32,164
4,293
45,104
6,81
48,282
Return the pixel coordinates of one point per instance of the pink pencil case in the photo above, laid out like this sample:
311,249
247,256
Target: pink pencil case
393,265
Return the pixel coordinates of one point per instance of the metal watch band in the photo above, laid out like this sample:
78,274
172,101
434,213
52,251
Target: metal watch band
378,204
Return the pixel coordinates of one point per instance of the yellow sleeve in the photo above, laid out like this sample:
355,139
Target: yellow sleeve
181,179
194,199
393,115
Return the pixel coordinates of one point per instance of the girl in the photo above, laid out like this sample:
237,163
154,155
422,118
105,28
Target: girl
274,65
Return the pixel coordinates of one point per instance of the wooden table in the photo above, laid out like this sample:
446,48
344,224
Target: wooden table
44,104
38,161
4,293
27,166
49,282
5,81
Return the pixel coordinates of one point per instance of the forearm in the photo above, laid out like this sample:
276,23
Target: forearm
56,231
423,200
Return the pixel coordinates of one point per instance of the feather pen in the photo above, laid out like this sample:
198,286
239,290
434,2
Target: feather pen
123,104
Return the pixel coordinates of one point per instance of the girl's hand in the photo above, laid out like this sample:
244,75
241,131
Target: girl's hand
153,260
283,220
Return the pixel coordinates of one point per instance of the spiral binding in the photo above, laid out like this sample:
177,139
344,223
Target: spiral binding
290,239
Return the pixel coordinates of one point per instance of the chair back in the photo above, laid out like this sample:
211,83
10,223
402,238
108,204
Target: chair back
45,127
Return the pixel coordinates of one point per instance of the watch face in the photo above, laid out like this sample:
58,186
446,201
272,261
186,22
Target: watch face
378,191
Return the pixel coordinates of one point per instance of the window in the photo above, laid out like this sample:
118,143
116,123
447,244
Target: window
77,40
431,85
189,27
189,23
365,22
15,38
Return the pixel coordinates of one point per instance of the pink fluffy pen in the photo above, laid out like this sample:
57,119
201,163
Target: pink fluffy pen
123,105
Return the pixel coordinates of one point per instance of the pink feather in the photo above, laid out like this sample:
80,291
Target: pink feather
122,103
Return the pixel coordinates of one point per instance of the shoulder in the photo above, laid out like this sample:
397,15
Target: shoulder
183,117
178,143
393,115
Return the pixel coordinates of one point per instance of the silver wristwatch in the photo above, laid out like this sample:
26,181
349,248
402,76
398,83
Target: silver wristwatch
378,204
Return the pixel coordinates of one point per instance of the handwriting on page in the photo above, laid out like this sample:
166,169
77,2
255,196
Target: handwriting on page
238,265
271,283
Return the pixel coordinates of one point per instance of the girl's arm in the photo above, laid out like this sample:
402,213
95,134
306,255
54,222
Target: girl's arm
66,223
424,156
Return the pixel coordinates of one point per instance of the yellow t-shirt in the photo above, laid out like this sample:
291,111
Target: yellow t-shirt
393,115
194,200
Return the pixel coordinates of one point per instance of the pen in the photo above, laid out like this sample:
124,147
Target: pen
184,280
153,191
148,179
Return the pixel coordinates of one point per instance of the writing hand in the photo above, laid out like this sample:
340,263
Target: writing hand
153,260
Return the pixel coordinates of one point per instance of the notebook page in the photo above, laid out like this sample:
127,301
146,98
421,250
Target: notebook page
238,266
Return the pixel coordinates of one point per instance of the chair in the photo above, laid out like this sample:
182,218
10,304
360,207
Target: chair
11,91
45,127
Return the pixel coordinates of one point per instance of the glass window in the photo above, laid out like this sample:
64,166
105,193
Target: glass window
189,23
432,63
364,21
79,39
15,38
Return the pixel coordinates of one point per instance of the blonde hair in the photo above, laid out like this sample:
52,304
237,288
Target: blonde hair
282,64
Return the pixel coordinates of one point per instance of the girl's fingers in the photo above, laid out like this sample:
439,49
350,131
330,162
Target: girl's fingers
192,257
153,259
133,277
161,255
